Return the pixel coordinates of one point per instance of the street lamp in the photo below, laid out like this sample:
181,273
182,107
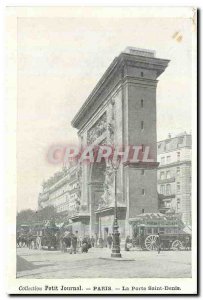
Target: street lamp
116,251
100,234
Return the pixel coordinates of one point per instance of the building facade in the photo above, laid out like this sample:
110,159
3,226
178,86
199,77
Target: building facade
63,192
174,175
121,110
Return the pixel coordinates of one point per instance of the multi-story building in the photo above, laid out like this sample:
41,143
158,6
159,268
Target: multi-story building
55,192
174,175
63,191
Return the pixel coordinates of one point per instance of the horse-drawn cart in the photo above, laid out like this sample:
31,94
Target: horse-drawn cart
50,237
170,228
22,235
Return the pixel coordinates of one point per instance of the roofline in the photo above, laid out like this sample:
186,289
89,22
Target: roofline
118,60
175,137
96,88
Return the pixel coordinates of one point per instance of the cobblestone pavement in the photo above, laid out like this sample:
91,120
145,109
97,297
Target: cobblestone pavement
97,263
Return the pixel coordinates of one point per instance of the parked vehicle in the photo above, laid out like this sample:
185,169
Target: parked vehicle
50,237
22,235
146,226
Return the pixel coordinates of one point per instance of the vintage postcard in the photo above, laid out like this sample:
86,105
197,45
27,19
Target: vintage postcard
102,139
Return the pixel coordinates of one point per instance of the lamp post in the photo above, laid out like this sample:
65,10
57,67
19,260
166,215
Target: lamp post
116,251
100,234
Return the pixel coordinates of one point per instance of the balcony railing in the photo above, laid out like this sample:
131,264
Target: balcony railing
166,180
163,208
167,196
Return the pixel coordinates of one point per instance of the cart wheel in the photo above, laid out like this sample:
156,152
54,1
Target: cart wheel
150,242
177,245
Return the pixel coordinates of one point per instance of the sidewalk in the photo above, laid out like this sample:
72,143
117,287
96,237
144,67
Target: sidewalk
98,263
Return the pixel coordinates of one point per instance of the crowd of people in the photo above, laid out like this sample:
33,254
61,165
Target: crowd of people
73,242
66,242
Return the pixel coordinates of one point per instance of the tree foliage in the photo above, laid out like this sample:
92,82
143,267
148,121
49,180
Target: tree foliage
29,216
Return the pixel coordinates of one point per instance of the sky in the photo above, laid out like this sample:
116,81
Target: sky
60,60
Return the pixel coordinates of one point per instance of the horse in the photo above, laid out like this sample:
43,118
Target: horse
22,240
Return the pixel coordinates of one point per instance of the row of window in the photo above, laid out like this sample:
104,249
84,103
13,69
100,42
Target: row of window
167,174
68,205
167,159
165,189
178,203
169,145
66,187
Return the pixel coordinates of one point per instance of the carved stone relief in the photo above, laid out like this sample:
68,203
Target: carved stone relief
97,129
108,195
111,123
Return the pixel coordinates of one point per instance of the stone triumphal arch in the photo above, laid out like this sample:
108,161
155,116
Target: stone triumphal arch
121,110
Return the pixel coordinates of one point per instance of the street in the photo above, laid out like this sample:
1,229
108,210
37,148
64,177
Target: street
97,263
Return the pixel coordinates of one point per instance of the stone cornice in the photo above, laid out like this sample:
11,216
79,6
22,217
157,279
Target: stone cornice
175,164
140,81
76,120
95,183
111,207
86,124
117,69
80,217
141,165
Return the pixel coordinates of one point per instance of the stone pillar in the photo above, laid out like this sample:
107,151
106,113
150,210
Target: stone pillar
95,192
85,169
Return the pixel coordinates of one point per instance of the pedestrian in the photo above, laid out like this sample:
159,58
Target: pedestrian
66,241
84,247
158,242
89,242
101,242
128,243
73,244
30,239
96,240
109,240
187,243
92,241
80,241
38,242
